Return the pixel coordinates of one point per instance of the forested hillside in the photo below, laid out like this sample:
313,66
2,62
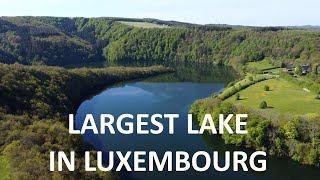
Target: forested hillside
59,41
34,104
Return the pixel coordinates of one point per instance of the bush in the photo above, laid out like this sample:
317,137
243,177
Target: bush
263,105
237,96
266,88
317,97
230,84
251,78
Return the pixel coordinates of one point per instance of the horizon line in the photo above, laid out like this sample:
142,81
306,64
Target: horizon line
171,20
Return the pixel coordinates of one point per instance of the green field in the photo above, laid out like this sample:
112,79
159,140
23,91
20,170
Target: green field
260,65
275,71
143,24
284,97
4,168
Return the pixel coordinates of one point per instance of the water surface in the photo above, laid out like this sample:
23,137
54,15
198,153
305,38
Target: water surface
174,93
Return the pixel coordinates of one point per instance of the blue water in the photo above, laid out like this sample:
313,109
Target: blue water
174,93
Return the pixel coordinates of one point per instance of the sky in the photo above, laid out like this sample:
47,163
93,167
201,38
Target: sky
235,12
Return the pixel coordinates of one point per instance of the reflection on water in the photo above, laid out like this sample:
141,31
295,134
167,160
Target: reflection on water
174,93
185,71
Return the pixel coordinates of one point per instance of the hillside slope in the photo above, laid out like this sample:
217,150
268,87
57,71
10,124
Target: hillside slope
59,41
34,104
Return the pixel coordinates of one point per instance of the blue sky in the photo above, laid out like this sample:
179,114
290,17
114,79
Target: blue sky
240,12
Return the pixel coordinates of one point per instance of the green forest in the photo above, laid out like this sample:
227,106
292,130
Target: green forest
60,41
34,104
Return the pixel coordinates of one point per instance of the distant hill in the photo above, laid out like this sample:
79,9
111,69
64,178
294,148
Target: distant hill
289,27
306,27
62,40
155,21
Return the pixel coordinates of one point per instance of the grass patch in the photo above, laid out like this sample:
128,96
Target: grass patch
284,97
261,65
143,24
303,82
275,71
4,168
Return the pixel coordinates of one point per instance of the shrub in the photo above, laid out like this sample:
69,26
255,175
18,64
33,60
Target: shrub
230,84
237,96
266,88
263,105
251,78
214,95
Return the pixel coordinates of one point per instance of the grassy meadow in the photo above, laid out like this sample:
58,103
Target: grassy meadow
4,168
142,24
283,96
261,65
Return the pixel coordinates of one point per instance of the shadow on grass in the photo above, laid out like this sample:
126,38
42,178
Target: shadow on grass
240,99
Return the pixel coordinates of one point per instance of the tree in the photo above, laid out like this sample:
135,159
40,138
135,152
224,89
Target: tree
315,69
298,70
263,105
282,64
266,88
313,126
251,78
290,130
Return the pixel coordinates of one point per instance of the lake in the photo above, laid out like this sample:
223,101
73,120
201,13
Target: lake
174,93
